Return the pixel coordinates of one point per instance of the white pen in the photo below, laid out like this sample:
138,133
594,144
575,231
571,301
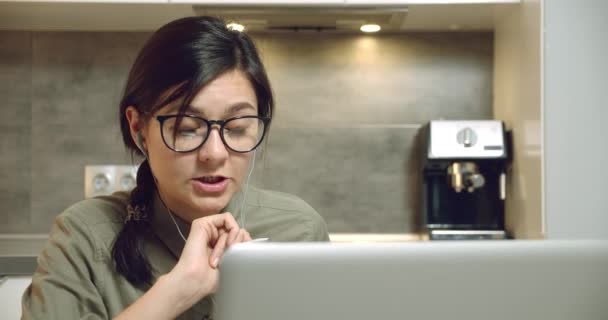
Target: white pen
259,240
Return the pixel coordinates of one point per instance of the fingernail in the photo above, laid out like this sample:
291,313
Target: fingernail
216,261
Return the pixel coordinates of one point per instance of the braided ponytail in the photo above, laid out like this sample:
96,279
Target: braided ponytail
128,249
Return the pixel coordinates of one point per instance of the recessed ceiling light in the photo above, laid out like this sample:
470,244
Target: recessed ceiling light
235,26
370,28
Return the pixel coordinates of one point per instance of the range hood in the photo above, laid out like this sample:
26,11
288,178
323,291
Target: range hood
310,17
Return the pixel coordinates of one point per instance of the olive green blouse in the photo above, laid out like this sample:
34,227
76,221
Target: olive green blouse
76,279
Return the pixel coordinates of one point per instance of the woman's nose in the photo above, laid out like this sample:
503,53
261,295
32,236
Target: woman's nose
213,150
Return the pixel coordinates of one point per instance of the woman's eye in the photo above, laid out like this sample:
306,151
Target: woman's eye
187,132
236,130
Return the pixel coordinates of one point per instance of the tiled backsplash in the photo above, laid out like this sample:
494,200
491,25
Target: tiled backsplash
348,109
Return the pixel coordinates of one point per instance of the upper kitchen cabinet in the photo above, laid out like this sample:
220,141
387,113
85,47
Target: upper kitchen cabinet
264,15
349,3
391,2
146,15
294,3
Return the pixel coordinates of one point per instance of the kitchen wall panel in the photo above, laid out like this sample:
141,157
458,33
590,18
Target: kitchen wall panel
348,111
15,129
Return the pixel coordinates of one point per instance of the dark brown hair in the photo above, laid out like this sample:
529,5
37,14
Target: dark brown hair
175,63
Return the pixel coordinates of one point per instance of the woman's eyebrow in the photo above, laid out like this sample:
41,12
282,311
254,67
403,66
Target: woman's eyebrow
193,110
238,107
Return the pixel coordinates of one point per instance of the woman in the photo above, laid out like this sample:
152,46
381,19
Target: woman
197,105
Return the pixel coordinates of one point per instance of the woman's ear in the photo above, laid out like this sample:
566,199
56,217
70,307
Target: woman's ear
136,128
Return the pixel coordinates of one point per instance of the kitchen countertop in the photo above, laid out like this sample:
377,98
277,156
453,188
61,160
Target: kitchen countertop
18,253
17,265
375,237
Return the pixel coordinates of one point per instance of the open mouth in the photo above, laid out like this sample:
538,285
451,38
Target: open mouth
211,179
211,184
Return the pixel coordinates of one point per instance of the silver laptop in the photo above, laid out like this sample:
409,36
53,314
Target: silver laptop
563,280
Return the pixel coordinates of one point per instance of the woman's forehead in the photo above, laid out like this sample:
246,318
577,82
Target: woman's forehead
229,93
222,111
229,90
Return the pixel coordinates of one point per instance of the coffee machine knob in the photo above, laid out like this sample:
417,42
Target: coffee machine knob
466,137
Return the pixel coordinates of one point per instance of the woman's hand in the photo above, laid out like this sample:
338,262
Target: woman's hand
196,275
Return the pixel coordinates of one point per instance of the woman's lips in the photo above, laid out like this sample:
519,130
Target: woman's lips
206,187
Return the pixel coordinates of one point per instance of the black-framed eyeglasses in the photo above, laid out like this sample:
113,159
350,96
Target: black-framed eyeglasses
186,133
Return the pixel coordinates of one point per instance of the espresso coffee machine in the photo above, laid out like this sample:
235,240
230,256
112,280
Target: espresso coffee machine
463,179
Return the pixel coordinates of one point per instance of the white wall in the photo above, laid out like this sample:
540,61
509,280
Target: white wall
576,118
11,291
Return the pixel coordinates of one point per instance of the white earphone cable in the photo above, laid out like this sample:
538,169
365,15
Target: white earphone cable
241,211
175,222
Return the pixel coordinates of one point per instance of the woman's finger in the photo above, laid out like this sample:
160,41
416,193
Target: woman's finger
243,236
232,227
224,220
239,237
233,237
218,250
201,232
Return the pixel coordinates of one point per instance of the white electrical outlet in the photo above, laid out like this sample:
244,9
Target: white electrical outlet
126,178
102,180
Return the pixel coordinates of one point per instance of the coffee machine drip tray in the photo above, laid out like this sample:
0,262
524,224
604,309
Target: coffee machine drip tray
467,234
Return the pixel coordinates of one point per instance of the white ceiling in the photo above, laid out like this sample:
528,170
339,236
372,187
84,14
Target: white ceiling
149,16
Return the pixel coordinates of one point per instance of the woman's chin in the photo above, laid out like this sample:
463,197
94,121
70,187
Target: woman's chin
210,206
211,203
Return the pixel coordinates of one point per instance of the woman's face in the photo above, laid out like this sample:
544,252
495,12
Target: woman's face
202,182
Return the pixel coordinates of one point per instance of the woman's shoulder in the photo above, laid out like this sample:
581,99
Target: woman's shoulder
280,201
102,216
100,210
276,207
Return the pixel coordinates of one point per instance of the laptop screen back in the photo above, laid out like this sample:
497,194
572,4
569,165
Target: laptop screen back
430,280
